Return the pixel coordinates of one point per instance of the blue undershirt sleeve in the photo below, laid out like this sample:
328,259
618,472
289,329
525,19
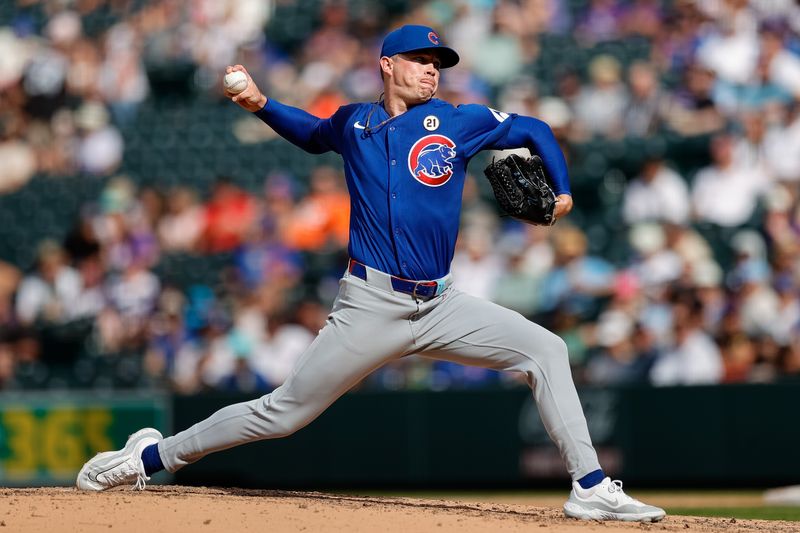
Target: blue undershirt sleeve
536,136
312,134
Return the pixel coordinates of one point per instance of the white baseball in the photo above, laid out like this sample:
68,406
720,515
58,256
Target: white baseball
235,82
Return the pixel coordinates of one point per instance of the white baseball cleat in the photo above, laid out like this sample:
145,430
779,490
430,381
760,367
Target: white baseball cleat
607,501
123,467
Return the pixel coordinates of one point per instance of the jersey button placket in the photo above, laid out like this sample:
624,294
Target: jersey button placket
393,183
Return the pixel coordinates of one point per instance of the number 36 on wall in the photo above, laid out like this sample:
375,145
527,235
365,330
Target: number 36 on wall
52,442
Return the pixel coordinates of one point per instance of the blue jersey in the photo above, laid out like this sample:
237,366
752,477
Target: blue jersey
406,174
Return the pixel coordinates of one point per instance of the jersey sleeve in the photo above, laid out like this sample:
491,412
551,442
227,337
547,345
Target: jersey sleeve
486,128
313,134
531,133
481,127
538,138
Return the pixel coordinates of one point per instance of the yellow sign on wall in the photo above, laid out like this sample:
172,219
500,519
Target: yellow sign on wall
46,441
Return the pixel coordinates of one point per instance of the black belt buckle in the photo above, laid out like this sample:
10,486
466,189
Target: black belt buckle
419,290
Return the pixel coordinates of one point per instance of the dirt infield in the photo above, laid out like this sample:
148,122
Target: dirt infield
172,509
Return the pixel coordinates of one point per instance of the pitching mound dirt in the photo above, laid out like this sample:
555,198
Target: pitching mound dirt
171,509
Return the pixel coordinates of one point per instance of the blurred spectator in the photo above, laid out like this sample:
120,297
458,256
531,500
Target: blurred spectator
694,358
92,297
498,57
279,347
122,226
6,366
599,106
657,194
327,101
516,288
643,17
675,45
615,360
739,356
601,21
646,104
476,264
122,75
730,49
9,281
471,24
778,66
692,110
539,251
558,116
100,146
228,216
321,221
19,164
750,150
691,246
264,258
47,294
782,145
167,335
749,279
706,276
132,295
724,193
787,317
81,242
182,225
242,376
577,279
654,265
45,77
219,346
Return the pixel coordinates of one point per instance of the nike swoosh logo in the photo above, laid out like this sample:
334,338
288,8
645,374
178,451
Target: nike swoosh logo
89,475
358,125
609,501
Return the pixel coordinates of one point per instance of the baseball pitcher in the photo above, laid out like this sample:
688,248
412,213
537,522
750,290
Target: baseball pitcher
405,159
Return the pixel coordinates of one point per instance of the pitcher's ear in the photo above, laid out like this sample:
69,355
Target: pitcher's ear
387,65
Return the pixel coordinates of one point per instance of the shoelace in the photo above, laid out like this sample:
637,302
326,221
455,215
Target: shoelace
616,486
140,482
122,475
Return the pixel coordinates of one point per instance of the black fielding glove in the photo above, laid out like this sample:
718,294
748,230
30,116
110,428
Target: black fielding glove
522,189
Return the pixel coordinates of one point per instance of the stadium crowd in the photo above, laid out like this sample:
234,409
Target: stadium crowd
702,288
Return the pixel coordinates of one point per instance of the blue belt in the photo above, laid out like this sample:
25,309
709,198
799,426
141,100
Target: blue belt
420,290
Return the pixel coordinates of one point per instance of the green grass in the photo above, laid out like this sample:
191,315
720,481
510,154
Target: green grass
760,513
749,510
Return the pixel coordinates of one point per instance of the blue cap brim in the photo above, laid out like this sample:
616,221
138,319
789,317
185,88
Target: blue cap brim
447,55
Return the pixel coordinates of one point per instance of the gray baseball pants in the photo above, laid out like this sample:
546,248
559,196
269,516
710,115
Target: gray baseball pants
370,325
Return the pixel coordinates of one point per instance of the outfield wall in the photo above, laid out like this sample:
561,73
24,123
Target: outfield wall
743,435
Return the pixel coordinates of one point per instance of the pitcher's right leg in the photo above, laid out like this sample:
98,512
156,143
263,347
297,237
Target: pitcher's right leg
346,350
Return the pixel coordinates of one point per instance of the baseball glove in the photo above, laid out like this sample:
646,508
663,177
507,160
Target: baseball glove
522,189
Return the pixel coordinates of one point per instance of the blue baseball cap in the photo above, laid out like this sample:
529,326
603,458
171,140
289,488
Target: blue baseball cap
414,38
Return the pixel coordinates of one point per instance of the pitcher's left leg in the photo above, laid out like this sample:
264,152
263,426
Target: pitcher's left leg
471,331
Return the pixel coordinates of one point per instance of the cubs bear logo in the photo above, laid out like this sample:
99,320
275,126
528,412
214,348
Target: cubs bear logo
430,160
